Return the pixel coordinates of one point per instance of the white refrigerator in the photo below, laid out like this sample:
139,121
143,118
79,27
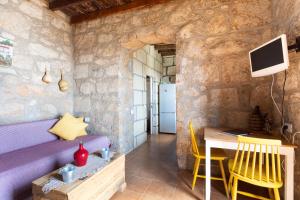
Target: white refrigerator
167,108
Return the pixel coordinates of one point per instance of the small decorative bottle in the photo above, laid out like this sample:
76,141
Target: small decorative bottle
81,156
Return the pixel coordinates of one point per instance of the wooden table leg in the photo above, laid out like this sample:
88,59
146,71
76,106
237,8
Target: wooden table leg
207,170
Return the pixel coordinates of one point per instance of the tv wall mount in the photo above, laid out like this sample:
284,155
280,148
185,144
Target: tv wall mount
295,46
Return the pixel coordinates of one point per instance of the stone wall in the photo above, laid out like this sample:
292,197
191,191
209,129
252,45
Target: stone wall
286,14
146,62
214,87
41,39
169,69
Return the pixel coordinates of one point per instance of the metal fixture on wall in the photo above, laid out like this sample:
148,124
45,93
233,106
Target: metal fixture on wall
46,78
63,85
295,46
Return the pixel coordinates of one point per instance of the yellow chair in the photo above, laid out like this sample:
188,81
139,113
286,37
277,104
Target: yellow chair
266,173
199,154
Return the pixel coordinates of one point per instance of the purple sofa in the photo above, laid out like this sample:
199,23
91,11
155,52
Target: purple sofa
28,151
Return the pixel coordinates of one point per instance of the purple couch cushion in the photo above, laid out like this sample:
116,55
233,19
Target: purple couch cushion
19,168
18,136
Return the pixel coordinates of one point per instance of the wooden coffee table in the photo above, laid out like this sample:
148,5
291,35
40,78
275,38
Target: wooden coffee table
100,186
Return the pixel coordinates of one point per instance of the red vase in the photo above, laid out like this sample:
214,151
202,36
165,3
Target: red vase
81,156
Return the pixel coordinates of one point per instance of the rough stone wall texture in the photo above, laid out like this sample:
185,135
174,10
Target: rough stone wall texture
169,69
214,87
145,62
286,15
41,39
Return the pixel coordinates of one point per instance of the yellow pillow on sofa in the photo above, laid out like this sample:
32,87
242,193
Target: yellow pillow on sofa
83,131
68,127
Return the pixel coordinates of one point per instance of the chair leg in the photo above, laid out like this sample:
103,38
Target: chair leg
230,183
271,193
224,177
196,169
195,165
276,192
234,188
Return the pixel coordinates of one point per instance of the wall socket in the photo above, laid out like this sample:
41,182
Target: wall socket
87,119
289,127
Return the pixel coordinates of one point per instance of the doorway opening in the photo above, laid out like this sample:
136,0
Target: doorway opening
167,89
147,73
149,104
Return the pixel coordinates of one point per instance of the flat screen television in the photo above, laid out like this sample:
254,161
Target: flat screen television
269,58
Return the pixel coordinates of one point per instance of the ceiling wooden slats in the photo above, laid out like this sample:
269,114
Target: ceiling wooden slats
83,10
166,49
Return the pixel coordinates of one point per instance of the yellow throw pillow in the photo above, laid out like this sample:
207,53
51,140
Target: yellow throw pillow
68,127
83,131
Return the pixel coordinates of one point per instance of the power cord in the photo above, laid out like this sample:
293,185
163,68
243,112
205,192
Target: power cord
282,104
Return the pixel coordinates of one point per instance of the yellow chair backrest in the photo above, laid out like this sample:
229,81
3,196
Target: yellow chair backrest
266,149
193,139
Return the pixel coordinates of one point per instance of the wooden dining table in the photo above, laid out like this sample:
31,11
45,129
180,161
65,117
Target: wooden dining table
217,138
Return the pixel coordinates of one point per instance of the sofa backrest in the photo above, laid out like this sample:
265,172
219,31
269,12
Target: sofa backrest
18,136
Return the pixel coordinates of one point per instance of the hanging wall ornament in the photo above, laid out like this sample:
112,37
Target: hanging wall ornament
47,78
63,85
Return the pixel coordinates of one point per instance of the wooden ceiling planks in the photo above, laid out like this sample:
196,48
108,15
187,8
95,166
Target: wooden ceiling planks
84,10
166,49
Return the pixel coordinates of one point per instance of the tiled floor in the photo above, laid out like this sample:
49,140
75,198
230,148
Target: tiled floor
152,174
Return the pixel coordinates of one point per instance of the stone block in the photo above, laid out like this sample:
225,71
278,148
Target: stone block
150,61
86,58
103,38
237,120
227,98
141,138
107,86
157,65
11,112
251,14
141,56
81,71
172,70
138,83
137,67
260,95
31,10
15,23
211,22
3,2
87,87
138,97
138,127
40,50
168,61
234,69
86,41
82,104
112,70
141,112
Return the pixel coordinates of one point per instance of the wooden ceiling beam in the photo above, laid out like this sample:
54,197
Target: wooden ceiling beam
116,9
167,52
161,47
61,4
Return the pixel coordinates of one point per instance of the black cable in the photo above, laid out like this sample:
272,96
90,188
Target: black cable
283,94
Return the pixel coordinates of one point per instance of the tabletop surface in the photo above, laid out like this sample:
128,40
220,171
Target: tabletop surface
218,134
68,187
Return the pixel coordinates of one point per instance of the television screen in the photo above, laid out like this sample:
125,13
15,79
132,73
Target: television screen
270,58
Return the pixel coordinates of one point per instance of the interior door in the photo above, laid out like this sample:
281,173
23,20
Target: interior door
149,104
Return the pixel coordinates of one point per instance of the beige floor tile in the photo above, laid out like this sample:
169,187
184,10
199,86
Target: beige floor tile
127,195
161,189
138,184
